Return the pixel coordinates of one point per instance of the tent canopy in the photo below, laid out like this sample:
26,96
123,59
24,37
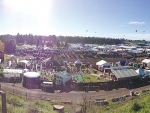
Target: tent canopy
24,61
13,71
100,62
135,51
92,50
78,62
147,61
32,74
147,73
103,63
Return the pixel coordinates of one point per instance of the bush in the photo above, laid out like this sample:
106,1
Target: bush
136,107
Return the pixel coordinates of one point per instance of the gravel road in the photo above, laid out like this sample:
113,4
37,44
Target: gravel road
73,95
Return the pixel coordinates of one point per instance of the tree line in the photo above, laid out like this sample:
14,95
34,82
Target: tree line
10,41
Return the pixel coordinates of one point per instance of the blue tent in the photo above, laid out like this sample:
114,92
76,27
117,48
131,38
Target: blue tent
141,73
122,63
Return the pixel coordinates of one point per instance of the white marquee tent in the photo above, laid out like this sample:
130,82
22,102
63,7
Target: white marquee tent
24,61
103,63
146,61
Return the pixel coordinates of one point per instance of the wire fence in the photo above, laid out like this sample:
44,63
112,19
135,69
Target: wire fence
29,95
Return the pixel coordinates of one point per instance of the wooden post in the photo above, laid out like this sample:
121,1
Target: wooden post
4,107
26,96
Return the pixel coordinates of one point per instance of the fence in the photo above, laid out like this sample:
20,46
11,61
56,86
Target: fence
28,95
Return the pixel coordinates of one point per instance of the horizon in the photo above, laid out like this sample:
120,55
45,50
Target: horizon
97,18
74,36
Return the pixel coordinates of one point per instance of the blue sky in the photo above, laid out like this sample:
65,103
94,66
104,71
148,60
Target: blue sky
99,18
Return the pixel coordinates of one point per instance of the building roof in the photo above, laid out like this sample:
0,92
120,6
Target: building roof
124,72
32,74
146,61
13,71
135,51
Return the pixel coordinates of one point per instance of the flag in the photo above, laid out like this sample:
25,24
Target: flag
17,60
36,66
9,63
41,67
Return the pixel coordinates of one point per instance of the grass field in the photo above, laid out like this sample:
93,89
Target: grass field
17,104
90,78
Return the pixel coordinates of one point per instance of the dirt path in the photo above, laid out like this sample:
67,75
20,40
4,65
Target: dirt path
73,95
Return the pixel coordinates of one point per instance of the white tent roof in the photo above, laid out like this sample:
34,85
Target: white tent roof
92,50
13,71
46,48
102,47
147,73
78,62
118,50
148,50
106,64
103,62
24,61
31,74
146,61
100,52
100,62
135,51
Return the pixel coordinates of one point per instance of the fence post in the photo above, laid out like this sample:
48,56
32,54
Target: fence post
26,96
4,107
13,91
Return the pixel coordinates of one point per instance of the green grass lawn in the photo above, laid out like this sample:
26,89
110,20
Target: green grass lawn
17,104
90,78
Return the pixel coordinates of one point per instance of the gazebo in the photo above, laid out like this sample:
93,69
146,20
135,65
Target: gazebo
78,64
103,63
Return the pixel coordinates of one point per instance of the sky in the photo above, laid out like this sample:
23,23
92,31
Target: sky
127,19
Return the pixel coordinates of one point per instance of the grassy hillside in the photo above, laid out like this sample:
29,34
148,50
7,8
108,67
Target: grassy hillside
137,104
16,104
134,104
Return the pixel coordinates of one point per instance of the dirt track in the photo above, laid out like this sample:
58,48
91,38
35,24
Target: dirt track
73,95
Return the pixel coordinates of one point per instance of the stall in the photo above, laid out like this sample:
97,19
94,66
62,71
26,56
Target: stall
11,75
78,65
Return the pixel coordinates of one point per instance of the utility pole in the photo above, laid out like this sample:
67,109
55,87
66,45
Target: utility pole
4,107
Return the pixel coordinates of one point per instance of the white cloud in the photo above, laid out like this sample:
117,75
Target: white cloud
132,36
136,23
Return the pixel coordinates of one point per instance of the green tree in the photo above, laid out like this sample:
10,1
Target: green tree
2,46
